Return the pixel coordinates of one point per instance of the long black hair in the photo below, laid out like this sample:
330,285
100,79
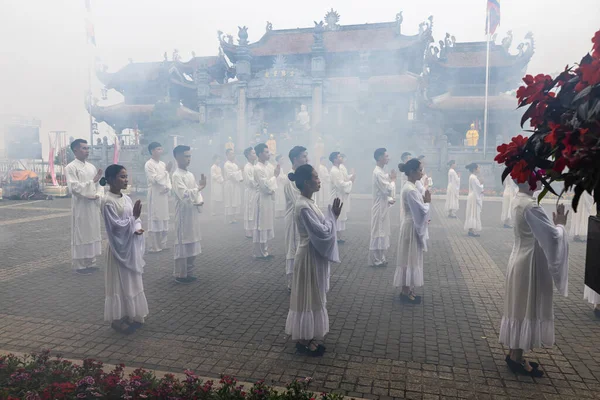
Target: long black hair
302,174
111,173
472,167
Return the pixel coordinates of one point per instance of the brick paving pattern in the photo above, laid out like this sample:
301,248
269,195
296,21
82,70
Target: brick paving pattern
232,321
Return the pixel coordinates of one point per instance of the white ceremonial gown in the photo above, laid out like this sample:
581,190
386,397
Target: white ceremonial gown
347,177
216,188
403,180
452,193
384,192
474,204
307,318
323,195
280,207
250,200
86,240
232,190
539,256
291,232
340,188
265,209
124,261
159,189
421,189
412,240
579,219
187,222
510,191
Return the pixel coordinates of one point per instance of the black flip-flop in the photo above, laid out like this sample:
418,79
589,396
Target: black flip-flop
519,368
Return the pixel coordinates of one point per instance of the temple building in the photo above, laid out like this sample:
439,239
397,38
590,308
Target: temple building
343,87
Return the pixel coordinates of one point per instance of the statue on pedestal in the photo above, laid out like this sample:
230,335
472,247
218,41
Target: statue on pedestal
303,119
472,136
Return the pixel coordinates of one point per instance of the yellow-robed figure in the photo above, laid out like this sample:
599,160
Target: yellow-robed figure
472,136
229,145
272,144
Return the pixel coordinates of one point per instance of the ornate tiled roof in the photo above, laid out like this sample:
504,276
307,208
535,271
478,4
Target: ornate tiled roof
131,114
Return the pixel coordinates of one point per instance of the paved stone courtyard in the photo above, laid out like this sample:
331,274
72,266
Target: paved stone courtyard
232,320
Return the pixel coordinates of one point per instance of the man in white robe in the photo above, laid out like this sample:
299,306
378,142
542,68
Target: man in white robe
324,193
265,207
188,206
82,181
340,188
250,193
384,192
539,257
233,179
216,185
159,188
298,157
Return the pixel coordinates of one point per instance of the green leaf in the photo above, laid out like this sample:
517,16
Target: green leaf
576,197
505,173
582,94
542,195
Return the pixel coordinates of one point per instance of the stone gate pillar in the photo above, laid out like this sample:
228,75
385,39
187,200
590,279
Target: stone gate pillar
241,117
317,111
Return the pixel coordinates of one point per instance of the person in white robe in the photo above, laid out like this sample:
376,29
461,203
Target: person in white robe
125,304
347,175
82,181
232,188
452,191
250,193
426,180
510,191
413,230
340,188
540,256
282,179
384,193
188,206
216,186
265,205
159,189
271,174
403,179
298,157
308,321
323,194
579,222
593,298
474,202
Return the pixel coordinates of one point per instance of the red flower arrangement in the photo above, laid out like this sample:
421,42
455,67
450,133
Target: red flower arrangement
564,146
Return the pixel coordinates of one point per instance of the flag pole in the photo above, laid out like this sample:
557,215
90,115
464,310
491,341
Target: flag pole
487,83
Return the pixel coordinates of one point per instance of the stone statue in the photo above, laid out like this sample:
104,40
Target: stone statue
399,19
269,27
176,56
243,35
303,119
331,19
318,33
442,49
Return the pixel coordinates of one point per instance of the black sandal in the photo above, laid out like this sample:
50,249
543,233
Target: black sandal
411,298
304,349
519,368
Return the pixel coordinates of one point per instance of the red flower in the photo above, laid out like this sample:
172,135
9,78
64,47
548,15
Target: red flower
560,164
508,153
590,73
551,138
596,46
535,90
520,171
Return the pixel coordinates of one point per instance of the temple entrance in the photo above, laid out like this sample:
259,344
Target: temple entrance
277,116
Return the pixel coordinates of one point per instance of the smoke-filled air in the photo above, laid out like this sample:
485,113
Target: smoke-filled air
260,200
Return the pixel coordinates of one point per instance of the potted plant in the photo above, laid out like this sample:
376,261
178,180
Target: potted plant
564,146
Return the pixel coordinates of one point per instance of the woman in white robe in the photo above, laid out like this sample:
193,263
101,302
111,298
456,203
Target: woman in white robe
307,320
474,202
216,186
413,230
510,191
540,255
323,194
125,304
452,191
579,221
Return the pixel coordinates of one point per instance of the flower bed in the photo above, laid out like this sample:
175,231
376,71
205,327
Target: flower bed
42,377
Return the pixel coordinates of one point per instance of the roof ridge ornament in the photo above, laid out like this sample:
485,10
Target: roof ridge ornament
243,35
331,19
269,27
399,19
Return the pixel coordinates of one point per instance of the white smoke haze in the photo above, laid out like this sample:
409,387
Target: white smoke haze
45,57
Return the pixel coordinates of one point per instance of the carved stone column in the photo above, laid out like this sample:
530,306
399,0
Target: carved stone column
241,117
201,78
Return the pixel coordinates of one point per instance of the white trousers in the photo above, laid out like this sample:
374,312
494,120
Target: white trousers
184,267
260,250
377,257
83,263
156,241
